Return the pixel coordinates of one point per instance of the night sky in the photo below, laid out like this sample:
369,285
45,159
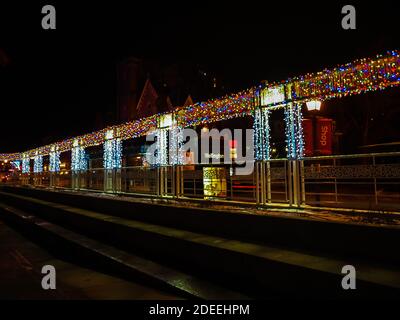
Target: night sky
53,81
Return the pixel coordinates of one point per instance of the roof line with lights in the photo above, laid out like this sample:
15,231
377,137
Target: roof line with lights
363,75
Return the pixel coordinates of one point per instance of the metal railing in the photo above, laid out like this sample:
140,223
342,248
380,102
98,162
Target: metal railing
365,181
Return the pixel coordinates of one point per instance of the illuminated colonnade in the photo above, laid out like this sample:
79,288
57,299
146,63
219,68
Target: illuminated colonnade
362,75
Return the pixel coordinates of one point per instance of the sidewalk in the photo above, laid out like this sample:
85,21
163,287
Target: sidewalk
20,275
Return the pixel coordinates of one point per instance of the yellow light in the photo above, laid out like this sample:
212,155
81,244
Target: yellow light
109,134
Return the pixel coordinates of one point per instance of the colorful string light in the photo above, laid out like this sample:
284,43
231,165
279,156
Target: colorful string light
360,76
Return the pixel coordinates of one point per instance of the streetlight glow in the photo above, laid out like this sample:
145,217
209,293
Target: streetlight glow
313,105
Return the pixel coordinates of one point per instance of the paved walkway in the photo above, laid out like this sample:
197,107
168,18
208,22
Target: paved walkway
20,275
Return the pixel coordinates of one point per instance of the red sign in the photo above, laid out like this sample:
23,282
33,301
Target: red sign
324,137
308,137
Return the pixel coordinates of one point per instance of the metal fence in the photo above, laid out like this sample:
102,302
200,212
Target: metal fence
367,181
370,181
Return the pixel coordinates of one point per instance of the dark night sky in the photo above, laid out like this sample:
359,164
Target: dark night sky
56,80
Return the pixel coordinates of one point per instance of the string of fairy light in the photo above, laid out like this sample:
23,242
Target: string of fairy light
78,157
54,160
261,134
112,151
38,163
363,75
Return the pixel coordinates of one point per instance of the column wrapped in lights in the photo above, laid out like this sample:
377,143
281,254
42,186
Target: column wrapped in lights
16,165
78,157
362,75
294,131
166,124
299,131
176,144
261,134
162,147
112,151
54,160
26,167
38,163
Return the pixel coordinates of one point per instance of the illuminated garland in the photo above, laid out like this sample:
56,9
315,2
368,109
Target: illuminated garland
289,132
10,156
362,75
162,147
26,165
299,131
78,158
54,161
16,165
176,144
294,131
38,164
228,107
112,152
261,134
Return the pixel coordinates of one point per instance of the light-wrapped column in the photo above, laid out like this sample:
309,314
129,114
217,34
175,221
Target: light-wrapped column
26,166
162,147
38,163
176,144
299,132
112,162
261,134
294,131
112,151
54,160
78,157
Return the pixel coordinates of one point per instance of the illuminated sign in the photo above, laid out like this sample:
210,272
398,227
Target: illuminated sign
109,134
166,120
272,95
214,156
324,136
214,181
